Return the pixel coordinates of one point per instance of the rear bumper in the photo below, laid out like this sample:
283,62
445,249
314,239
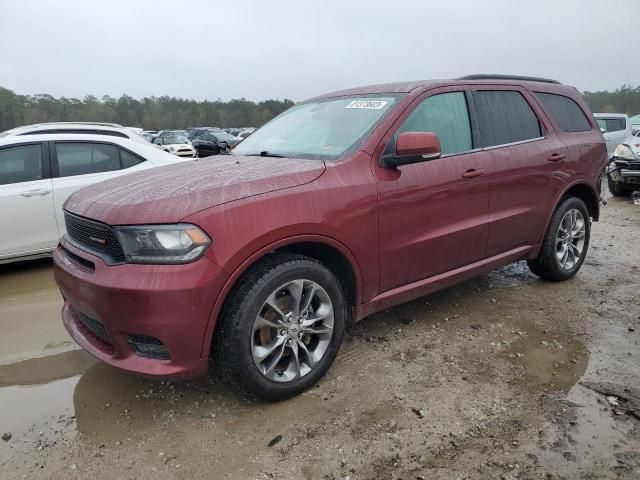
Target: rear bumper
171,303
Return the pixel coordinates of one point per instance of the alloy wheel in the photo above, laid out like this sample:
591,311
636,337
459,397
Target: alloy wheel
292,331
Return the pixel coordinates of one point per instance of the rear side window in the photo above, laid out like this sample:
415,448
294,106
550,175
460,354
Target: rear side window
84,158
20,164
611,124
505,117
565,112
446,115
128,160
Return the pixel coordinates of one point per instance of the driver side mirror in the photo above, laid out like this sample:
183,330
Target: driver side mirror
413,147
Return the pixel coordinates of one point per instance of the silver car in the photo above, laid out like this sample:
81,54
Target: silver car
624,169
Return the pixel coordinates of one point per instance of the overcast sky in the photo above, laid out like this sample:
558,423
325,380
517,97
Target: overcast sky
296,49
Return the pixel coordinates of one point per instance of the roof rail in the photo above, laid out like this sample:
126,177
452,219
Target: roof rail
485,76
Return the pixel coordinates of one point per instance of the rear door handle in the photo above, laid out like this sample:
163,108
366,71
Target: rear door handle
37,192
473,173
556,157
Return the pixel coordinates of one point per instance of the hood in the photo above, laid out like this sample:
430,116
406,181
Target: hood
170,193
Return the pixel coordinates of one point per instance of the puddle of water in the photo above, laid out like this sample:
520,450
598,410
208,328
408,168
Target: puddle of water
30,306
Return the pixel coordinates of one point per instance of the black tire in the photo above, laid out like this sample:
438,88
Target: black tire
232,343
617,189
547,265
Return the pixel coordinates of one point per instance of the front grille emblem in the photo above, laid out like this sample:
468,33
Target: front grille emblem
101,241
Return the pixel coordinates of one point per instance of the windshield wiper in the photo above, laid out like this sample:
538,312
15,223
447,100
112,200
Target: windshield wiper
264,153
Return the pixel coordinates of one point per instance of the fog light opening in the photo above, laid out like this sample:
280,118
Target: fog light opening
148,347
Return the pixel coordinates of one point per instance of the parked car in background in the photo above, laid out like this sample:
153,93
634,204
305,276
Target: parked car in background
244,134
108,129
344,205
623,175
233,131
213,143
615,127
172,133
175,144
635,123
39,171
197,132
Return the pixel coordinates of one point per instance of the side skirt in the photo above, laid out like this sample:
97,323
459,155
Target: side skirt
425,286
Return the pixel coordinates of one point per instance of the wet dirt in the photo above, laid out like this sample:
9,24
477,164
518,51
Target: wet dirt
477,381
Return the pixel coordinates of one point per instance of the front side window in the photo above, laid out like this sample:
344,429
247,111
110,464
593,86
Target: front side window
504,116
20,164
446,115
84,158
322,130
565,112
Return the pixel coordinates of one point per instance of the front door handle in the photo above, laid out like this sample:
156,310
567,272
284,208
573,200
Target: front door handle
473,173
36,192
556,157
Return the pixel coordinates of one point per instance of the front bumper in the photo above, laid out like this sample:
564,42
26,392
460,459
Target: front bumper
625,171
171,303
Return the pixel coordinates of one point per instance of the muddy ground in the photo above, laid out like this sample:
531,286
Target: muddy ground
482,380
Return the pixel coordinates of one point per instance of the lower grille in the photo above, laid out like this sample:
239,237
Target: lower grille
95,327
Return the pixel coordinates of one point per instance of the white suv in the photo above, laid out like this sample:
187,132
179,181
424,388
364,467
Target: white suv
39,171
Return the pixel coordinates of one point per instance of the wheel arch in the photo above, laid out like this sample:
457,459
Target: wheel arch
328,251
580,189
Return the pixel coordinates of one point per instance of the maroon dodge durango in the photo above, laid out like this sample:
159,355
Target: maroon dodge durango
343,205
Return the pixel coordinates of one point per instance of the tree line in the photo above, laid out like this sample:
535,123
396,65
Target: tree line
625,99
150,113
154,113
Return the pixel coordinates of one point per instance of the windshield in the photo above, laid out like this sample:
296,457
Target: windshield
325,129
175,140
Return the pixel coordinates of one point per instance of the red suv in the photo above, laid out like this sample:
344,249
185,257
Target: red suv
344,205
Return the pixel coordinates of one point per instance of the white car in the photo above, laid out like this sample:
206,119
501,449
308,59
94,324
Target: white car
39,172
615,128
109,129
177,145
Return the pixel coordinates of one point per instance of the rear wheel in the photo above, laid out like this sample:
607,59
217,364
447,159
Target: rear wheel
617,189
566,242
282,327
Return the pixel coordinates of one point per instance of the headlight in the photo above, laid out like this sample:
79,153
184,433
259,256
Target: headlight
172,148
182,243
622,151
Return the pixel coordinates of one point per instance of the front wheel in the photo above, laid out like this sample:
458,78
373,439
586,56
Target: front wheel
282,327
565,243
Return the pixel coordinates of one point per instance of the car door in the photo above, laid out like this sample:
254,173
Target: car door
527,164
433,214
26,203
77,164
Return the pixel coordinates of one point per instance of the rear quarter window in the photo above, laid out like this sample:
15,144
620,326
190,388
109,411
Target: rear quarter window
504,117
565,112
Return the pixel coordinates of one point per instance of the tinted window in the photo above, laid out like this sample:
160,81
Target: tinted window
565,112
611,124
128,160
84,158
20,164
505,117
447,116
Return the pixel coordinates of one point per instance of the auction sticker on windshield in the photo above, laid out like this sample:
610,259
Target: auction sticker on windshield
367,104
